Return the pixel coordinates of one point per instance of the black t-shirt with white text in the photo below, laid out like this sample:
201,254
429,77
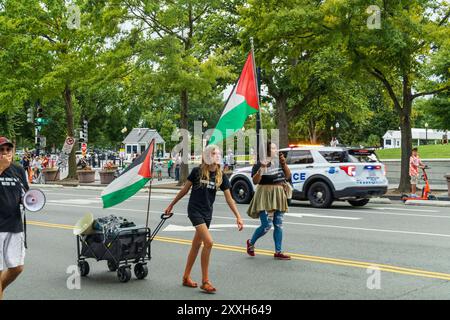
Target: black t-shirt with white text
13,181
203,193
273,176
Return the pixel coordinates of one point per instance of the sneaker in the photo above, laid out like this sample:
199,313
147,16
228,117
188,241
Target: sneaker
250,248
281,256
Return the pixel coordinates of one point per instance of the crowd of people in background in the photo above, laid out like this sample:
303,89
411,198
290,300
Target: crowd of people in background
34,165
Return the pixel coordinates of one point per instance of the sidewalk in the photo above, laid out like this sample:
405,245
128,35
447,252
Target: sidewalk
169,186
439,191
164,186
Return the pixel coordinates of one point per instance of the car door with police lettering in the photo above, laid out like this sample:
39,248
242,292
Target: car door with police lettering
301,164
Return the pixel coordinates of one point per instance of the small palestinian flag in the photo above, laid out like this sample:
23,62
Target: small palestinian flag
131,180
242,102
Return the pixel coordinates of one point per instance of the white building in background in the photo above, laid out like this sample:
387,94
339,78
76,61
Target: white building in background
393,138
139,139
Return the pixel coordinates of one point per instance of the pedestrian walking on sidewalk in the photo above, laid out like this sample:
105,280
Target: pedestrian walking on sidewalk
177,167
205,180
158,169
169,166
414,164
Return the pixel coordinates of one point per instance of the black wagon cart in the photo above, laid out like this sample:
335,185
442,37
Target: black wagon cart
128,246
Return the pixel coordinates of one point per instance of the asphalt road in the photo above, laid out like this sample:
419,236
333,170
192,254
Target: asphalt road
380,251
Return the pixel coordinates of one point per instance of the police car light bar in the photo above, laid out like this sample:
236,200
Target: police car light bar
372,167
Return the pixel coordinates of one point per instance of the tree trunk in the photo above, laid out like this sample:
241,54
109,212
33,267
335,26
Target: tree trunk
312,130
405,125
184,99
281,105
184,170
67,96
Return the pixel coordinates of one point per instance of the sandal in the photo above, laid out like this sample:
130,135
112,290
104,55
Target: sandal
187,282
207,287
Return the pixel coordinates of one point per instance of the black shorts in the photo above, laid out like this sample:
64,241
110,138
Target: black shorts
198,219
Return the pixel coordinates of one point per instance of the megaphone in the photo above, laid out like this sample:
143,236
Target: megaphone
33,200
84,225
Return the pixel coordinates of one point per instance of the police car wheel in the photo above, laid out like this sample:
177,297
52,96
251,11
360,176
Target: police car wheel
241,192
359,202
319,195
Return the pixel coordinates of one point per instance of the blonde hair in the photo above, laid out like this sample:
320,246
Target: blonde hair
204,167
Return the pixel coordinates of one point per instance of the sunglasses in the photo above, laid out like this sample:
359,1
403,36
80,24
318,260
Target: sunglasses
7,149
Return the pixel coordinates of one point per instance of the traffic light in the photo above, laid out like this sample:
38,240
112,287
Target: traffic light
30,115
81,136
39,113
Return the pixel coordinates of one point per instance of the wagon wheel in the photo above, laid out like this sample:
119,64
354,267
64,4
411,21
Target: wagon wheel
83,266
124,273
140,271
112,265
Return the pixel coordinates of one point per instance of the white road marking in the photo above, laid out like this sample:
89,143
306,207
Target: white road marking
403,209
285,222
301,215
212,227
394,213
374,230
74,201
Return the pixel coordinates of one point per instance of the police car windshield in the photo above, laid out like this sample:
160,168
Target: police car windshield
335,156
363,156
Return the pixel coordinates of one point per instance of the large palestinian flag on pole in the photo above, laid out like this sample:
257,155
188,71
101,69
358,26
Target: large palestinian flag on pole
133,179
242,102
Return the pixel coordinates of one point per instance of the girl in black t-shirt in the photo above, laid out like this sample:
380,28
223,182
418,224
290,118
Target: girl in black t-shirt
205,181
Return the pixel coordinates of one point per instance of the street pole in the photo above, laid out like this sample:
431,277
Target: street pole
37,140
258,115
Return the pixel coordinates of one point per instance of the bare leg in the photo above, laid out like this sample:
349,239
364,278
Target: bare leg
207,240
7,277
196,244
1,287
413,188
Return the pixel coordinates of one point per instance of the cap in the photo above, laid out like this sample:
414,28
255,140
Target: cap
4,140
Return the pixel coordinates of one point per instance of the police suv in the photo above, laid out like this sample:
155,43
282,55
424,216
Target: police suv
323,175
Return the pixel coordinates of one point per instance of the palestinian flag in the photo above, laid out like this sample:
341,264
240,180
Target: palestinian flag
242,102
131,180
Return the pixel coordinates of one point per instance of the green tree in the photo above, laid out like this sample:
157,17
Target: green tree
403,54
56,56
175,51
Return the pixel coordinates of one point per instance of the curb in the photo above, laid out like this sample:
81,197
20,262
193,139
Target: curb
398,198
428,203
155,189
380,200
445,201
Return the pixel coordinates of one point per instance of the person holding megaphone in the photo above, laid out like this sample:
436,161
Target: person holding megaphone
13,184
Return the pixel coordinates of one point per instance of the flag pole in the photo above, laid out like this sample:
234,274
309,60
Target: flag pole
258,114
150,186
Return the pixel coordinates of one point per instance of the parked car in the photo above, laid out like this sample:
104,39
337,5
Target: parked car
323,175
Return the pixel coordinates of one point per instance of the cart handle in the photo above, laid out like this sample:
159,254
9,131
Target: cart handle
166,216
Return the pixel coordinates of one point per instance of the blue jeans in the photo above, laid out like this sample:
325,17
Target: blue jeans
177,173
266,225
